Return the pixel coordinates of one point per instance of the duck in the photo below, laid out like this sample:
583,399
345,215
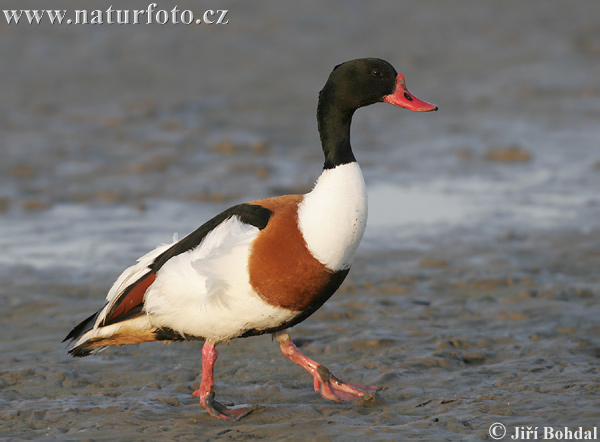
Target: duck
259,267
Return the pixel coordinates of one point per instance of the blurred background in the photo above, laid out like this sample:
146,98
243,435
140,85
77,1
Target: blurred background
114,137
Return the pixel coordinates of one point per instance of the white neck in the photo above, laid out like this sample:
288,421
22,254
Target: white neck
333,216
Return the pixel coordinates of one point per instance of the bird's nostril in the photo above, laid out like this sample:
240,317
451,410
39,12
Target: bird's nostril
408,96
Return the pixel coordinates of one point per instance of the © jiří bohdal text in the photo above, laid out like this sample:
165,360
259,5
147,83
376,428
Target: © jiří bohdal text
554,433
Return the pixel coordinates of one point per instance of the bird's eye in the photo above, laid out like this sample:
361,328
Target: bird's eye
376,73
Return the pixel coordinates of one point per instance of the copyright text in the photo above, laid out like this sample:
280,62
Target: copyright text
499,431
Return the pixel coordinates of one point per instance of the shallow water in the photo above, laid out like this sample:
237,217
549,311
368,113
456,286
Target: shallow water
474,296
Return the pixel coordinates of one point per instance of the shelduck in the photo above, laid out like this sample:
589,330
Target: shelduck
262,266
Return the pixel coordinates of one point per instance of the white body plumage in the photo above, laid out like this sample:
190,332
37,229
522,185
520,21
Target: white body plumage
206,291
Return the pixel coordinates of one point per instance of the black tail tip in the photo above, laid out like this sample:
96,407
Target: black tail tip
81,351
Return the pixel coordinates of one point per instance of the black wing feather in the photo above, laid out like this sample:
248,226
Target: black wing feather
253,214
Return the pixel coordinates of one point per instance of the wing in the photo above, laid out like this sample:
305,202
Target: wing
125,300
129,301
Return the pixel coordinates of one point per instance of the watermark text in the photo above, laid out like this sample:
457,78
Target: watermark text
499,431
111,16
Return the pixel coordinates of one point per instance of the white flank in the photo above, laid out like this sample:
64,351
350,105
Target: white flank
333,216
206,291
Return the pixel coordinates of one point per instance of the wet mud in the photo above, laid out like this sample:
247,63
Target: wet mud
474,298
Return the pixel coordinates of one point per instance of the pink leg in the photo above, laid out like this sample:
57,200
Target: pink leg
326,383
207,392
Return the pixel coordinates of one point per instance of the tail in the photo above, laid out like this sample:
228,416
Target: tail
121,321
90,337
78,331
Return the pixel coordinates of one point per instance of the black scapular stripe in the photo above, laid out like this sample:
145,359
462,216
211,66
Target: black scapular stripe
253,214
